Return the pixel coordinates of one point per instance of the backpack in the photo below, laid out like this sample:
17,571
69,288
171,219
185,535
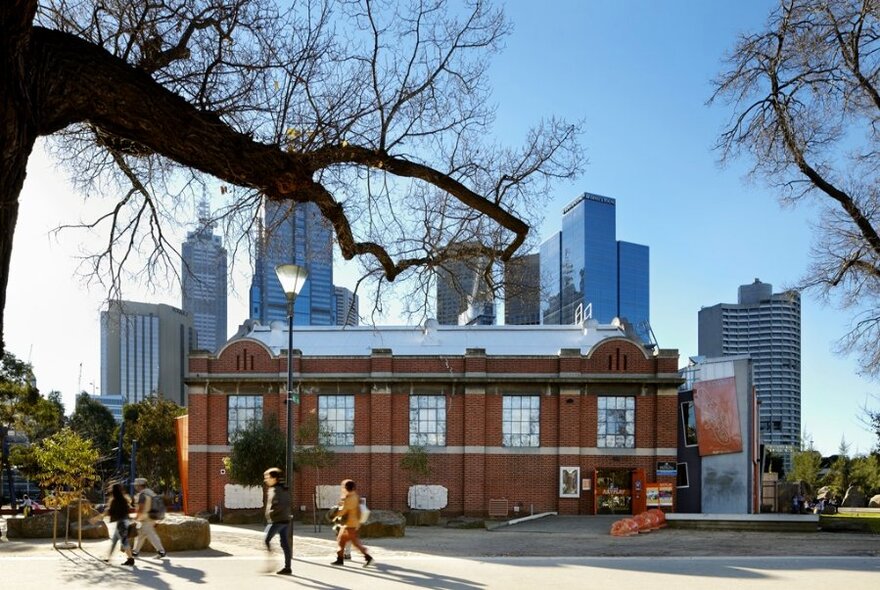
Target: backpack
157,508
364,513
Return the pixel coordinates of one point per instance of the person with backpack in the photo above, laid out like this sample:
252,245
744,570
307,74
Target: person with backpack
150,508
349,515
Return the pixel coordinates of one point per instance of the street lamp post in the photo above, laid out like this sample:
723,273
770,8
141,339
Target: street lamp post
292,279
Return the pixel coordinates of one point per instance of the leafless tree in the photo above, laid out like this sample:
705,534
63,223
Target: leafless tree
806,98
378,112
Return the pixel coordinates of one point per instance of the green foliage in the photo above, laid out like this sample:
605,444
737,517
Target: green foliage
253,450
92,420
65,463
866,474
154,429
415,463
23,409
840,475
873,421
805,467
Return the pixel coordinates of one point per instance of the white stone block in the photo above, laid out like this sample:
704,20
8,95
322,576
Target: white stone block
423,497
236,496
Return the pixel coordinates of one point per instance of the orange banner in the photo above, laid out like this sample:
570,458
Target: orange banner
718,427
181,427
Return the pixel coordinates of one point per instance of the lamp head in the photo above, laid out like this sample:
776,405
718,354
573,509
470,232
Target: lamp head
292,278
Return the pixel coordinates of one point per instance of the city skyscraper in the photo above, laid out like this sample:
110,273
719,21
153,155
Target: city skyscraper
144,351
204,282
522,290
587,272
550,266
633,287
347,307
294,233
463,297
767,327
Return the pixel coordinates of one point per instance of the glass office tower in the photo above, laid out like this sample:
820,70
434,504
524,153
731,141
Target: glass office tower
204,279
551,271
587,273
633,287
294,233
522,290
589,258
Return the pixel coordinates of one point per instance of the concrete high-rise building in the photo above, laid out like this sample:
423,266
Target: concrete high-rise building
767,327
347,303
463,296
205,282
144,351
522,290
294,233
587,273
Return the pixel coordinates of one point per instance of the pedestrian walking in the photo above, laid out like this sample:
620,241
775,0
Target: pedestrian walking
349,514
150,509
277,515
118,511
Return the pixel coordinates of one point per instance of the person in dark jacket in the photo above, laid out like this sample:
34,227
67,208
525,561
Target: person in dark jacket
277,514
118,510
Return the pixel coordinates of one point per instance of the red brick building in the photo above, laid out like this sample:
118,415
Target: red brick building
551,418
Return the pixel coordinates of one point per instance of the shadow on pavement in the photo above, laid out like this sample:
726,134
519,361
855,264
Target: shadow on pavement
410,577
745,568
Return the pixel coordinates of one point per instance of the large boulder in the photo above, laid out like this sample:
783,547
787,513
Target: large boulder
38,526
182,533
89,530
874,502
423,518
244,517
383,523
854,498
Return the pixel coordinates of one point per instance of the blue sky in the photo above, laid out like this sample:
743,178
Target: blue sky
639,74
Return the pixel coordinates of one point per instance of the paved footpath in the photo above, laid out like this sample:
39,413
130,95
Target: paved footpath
543,555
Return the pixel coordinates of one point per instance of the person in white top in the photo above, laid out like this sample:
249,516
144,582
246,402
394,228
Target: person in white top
144,498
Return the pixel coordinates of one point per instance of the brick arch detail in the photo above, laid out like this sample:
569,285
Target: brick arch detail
617,355
247,354
609,346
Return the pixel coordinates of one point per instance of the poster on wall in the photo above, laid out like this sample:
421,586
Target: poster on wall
666,469
718,427
652,493
664,495
569,480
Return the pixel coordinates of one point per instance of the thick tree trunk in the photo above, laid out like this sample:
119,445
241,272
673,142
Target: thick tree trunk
17,128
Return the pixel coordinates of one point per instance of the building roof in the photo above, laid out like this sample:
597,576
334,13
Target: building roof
431,339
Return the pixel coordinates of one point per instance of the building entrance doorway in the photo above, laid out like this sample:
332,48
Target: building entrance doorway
614,491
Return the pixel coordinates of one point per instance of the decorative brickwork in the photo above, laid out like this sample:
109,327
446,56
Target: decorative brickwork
474,465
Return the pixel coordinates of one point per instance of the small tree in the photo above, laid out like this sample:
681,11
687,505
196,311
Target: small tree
254,449
310,448
66,464
840,475
805,466
415,463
